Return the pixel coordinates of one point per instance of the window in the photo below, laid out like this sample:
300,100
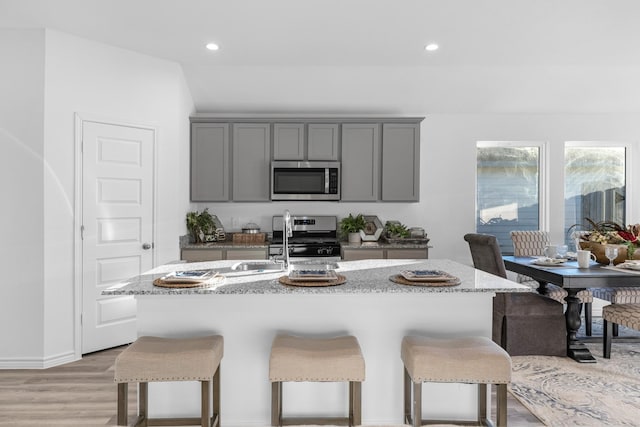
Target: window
595,184
508,189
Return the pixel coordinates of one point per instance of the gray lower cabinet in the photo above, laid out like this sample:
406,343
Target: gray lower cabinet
400,162
360,162
354,254
209,162
217,254
251,160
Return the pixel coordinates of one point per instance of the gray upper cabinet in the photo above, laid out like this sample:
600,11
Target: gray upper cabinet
360,162
400,162
251,157
288,141
209,162
323,141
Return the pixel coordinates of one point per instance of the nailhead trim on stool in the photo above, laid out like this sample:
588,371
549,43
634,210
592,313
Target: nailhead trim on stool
152,359
468,360
316,360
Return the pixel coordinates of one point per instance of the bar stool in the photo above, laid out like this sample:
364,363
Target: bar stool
170,359
469,360
316,360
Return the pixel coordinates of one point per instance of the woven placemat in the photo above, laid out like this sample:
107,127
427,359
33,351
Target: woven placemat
402,281
173,284
338,281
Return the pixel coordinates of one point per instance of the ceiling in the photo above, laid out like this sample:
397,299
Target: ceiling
349,33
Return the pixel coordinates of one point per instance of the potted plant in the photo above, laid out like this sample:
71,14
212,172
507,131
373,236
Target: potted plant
200,224
396,230
350,227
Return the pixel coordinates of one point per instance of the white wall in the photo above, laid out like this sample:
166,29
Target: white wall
73,75
21,190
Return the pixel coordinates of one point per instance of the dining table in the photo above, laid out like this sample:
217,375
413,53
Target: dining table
573,279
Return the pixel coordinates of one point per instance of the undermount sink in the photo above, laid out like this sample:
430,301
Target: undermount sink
258,266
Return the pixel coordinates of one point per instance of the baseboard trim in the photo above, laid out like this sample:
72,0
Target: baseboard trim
36,362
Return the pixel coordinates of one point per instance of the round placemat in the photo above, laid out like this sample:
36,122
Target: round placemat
402,281
286,281
172,284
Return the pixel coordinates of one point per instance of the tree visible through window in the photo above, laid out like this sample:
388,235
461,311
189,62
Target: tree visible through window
507,191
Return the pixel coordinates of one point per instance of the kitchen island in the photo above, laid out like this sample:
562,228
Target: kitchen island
249,308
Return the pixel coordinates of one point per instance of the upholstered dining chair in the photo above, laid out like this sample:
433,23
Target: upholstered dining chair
532,243
524,323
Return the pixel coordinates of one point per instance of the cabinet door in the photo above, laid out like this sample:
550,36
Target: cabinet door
407,253
288,141
200,255
246,254
400,162
322,141
360,162
209,162
358,254
251,157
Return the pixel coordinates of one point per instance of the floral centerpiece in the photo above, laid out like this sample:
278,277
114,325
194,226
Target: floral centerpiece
611,233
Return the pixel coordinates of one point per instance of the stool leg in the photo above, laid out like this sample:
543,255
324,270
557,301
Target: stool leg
204,403
355,403
502,405
417,404
606,338
482,403
216,398
123,400
276,403
143,403
588,317
407,397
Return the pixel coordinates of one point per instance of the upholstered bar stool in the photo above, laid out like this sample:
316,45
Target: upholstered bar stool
151,359
627,315
469,360
299,359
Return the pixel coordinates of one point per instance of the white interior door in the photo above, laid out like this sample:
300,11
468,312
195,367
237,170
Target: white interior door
117,227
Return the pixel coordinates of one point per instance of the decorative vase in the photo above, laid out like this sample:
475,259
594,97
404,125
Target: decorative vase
598,250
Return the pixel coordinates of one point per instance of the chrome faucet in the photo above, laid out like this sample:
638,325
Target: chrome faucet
287,231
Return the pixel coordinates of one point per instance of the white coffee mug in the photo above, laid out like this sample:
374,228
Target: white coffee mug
584,258
551,251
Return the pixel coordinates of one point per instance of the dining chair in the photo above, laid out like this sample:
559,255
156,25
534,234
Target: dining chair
532,243
524,323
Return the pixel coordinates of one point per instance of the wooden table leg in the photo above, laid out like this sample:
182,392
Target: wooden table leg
575,349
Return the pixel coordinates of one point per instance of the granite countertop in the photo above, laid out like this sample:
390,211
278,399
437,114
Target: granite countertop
367,276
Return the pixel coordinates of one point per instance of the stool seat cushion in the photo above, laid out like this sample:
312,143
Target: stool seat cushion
473,360
316,359
169,359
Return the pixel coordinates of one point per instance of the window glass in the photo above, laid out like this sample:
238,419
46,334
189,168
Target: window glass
594,186
507,191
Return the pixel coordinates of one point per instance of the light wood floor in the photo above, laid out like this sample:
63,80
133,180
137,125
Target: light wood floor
83,393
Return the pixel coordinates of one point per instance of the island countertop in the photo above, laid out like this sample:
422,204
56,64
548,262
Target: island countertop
365,276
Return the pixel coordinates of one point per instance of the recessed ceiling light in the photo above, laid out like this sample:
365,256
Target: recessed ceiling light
212,46
431,47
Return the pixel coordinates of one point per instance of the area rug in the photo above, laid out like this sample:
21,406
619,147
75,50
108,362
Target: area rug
562,392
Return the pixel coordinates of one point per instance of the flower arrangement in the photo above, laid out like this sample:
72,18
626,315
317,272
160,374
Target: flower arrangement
613,233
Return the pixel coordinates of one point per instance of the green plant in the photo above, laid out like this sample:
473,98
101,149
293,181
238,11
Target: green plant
200,223
352,224
396,229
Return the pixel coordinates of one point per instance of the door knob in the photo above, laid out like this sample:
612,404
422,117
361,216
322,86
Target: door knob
146,246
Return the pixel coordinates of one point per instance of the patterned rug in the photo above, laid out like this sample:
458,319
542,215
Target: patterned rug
562,392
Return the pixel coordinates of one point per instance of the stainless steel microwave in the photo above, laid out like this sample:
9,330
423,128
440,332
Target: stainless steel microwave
305,180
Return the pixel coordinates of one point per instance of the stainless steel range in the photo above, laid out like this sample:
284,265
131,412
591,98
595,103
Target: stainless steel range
312,237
